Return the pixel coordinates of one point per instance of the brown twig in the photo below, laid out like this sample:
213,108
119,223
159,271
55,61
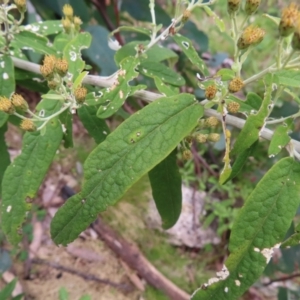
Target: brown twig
85,276
102,10
136,261
203,162
284,278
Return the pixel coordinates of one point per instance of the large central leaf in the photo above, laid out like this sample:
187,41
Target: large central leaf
128,153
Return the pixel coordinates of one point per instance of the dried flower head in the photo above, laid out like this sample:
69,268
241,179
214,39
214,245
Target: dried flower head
61,66
80,94
186,15
233,6
21,5
288,20
252,35
52,84
213,137
251,6
201,138
47,71
19,102
233,107
210,92
68,10
187,154
27,125
6,105
235,85
211,122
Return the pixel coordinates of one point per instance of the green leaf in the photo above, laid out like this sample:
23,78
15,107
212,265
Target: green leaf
72,53
29,168
259,228
154,69
6,292
137,29
166,90
114,97
3,118
250,106
165,182
128,153
60,41
288,78
225,74
79,79
293,240
219,22
27,40
254,124
280,137
187,47
240,162
63,294
66,120
155,53
99,52
96,127
44,28
7,77
4,155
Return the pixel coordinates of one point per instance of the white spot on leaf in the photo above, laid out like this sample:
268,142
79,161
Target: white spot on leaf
237,282
73,55
226,289
5,76
8,208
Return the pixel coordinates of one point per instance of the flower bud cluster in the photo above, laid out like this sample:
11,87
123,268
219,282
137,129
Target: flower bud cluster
52,65
70,22
251,35
289,19
9,106
235,85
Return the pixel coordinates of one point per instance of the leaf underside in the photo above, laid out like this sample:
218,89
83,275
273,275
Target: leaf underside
259,228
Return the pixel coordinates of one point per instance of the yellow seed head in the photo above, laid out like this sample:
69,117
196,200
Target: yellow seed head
47,71
186,15
289,17
6,105
21,5
61,66
252,35
213,137
201,138
235,85
251,6
233,107
67,25
211,122
233,5
27,125
80,94
19,102
77,23
68,11
49,60
187,154
210,92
